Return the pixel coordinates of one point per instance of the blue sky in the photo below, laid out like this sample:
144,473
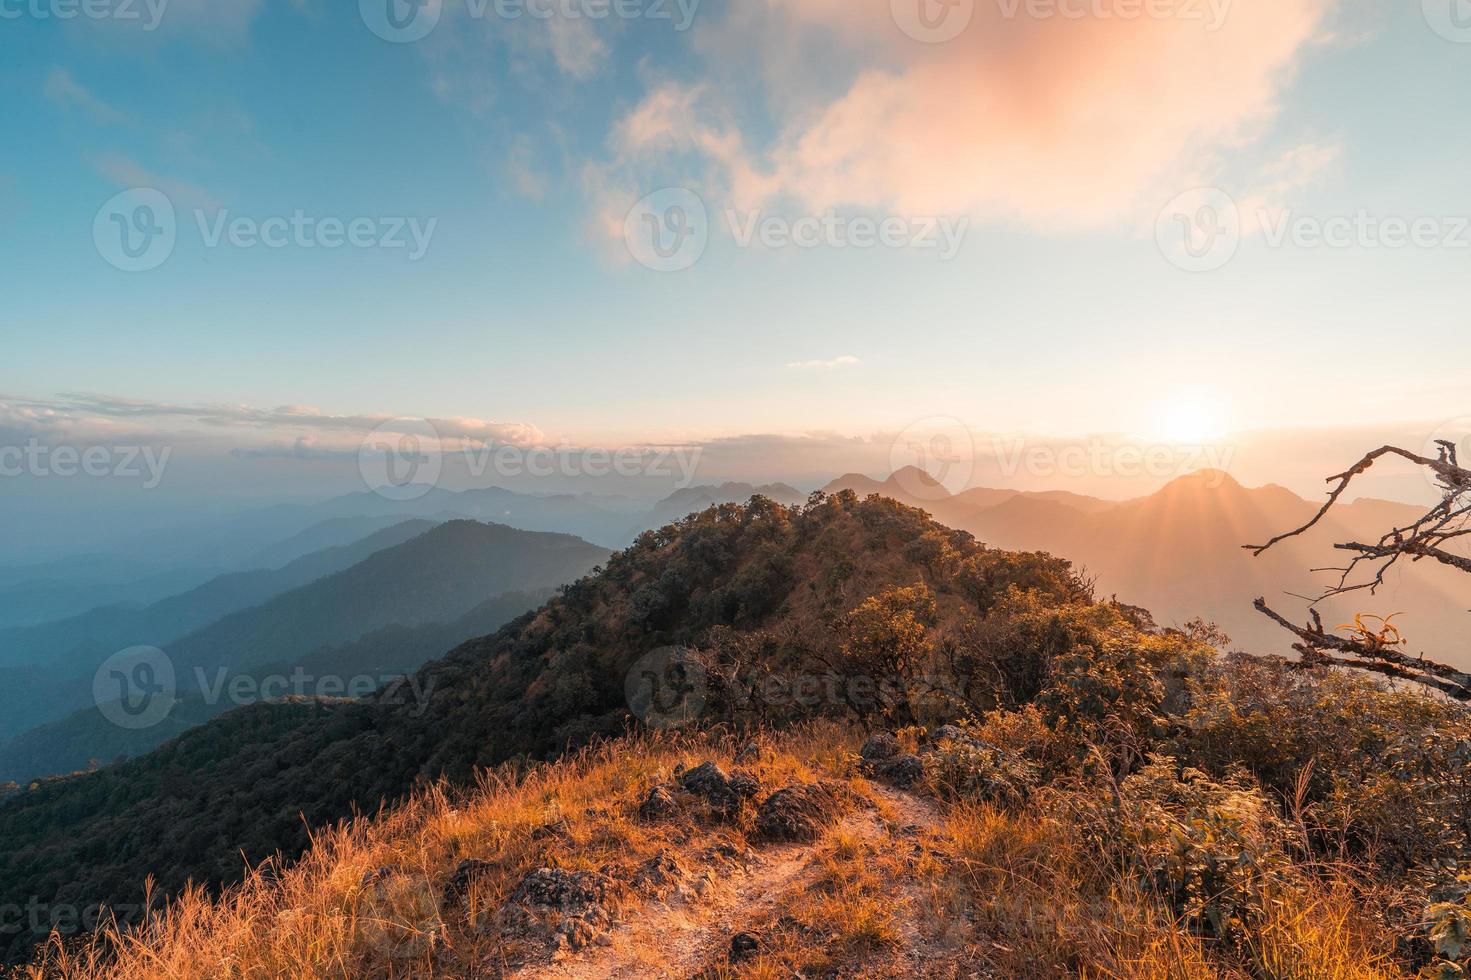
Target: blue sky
1056,142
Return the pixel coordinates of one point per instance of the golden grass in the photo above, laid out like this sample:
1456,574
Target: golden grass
330,916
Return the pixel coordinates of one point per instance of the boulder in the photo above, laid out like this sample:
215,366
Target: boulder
797,813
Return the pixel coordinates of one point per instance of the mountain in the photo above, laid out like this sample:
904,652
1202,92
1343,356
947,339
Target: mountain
434,578
1178,552
692,500
88,639
41,593
75,743
549,681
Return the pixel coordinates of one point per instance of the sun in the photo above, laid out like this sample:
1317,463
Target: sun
1191,419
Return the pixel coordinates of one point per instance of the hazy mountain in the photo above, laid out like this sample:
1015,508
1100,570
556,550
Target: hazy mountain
74,743
693,500
1179,552
42,593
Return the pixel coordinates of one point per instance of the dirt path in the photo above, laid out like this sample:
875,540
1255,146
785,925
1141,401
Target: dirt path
679,939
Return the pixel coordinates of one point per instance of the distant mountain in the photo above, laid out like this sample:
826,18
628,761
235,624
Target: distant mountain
433,577
692,500
331,533
75,743
1179,552
42,593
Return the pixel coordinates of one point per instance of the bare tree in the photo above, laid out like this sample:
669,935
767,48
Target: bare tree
1432,536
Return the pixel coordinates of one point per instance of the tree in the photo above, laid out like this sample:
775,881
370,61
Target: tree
1432,537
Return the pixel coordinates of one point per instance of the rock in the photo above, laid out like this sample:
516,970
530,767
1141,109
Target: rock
659,875
902,771
466,874
797,813
745,785
879,748
558,829
573,893
950,733
749,753
660,804
743,946
709,782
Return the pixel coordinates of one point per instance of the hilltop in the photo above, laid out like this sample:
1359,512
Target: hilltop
1109,798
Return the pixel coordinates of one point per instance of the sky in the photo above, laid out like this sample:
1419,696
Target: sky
787,231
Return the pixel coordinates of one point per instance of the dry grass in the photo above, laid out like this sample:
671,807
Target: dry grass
331,916
983,891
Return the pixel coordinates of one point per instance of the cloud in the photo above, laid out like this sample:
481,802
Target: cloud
89,412
64,90
1052,123
127,172
846,360
525,173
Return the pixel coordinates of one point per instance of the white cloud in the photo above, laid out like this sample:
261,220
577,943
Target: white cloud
64,90
846,360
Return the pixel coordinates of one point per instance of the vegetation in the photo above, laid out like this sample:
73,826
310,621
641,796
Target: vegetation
1067,789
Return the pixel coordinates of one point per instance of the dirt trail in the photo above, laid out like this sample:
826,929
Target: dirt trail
680,939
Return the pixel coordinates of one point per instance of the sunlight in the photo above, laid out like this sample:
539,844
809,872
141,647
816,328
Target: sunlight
1190,419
